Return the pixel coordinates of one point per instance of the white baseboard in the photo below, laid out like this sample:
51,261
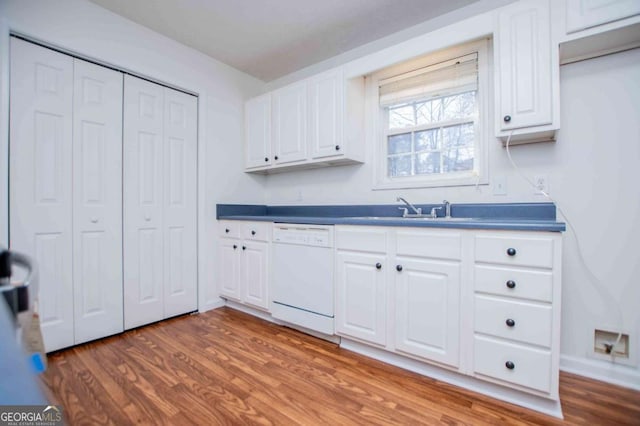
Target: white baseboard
211,305
603,371
533,402
249,310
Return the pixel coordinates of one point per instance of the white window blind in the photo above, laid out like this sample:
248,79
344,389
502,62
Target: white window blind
450,77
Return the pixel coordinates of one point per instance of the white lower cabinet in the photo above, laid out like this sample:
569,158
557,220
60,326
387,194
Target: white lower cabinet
400,288
243,258
427,309
516,315
361,296
483,303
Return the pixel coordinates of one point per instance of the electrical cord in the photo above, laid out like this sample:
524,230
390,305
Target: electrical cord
597,283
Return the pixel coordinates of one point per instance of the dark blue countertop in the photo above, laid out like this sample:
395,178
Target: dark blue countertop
513,216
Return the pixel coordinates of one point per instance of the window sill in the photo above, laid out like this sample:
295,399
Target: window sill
435,183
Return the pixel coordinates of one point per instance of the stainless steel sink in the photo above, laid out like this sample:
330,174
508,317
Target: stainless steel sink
416,218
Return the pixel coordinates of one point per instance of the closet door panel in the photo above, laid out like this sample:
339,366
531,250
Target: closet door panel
40,173
97,205
143,202
180,185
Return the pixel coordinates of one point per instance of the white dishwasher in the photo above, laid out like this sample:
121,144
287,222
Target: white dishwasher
302,280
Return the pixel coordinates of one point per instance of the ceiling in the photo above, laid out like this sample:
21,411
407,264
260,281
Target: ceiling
272,38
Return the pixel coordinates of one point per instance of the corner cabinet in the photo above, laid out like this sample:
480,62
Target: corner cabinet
243,259
313,123
526,73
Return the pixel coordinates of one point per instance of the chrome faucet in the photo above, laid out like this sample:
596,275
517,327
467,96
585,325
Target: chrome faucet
447,208
417,211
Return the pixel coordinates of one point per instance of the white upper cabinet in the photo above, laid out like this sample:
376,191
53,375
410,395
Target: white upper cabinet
257,116
583,14
311,123
526,73
591,28
326,103
289,108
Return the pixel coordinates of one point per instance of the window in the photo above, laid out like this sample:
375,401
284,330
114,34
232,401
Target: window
430,114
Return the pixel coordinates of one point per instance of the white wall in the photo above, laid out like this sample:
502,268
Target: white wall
593,172
87,30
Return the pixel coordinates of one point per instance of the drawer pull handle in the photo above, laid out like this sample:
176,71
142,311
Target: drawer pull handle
226,230
253,232
510,365
398,268
511,284
378,265
235,246
511,251
510,322
244,247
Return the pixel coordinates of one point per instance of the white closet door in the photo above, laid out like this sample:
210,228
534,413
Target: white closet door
180,185
143,202
97,201
40,179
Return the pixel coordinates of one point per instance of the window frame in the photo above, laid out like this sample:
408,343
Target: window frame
479,174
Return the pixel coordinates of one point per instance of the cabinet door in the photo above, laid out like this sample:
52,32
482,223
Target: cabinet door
254,273
326,114
97,201
229,268
143,202
427,295
289,124
361,296
524,66
582,14
179,213
257,113
40,179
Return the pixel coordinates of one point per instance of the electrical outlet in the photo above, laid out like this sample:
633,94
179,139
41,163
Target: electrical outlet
500,185
541,183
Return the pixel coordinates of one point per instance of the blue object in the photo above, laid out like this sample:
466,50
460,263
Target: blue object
37,363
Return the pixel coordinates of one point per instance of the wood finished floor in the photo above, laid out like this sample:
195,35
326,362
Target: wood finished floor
227,367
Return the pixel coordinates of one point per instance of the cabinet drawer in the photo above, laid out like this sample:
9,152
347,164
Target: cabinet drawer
429,243
505,281
516,320
229,228
257,231
361,239
515,250
531,367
